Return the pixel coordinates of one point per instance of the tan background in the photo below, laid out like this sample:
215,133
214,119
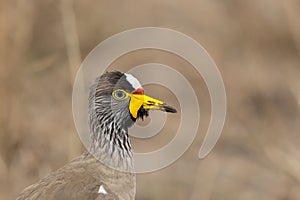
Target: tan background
256,45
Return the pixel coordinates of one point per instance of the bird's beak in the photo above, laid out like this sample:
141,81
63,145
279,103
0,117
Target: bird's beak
148,103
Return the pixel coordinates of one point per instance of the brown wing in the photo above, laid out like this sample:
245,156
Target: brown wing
79,179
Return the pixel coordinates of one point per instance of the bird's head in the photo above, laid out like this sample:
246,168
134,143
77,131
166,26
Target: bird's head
120,97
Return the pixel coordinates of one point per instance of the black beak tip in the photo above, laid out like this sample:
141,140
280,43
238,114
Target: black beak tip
170,109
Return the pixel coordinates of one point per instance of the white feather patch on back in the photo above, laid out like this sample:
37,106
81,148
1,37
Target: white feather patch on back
102,190
133,81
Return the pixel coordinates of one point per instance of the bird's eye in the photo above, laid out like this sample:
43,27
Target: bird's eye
119,94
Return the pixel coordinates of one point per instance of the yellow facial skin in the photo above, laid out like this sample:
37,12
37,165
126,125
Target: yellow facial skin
138,100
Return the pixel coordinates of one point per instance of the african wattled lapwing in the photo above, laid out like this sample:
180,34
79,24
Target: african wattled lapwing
106,171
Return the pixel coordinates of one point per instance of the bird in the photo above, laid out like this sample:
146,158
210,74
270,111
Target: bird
106,170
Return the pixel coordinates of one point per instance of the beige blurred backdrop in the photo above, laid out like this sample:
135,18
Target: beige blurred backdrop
256,45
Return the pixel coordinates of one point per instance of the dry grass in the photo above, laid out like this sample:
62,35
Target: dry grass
254,43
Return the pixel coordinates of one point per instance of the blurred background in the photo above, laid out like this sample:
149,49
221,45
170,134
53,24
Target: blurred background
255,44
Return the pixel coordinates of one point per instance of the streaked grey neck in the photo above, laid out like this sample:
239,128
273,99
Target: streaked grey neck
110,143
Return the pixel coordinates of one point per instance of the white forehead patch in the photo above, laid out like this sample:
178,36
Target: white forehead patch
133,81
102,190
